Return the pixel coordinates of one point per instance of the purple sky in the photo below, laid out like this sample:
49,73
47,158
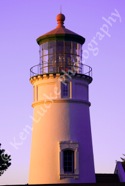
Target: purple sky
21,22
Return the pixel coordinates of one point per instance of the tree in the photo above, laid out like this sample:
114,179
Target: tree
5,161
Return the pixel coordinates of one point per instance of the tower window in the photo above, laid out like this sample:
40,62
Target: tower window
68,161
65,89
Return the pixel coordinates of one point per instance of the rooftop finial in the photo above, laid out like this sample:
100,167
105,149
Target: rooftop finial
60,9
60,20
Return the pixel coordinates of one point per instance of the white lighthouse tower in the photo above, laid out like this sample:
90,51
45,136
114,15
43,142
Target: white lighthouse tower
61,150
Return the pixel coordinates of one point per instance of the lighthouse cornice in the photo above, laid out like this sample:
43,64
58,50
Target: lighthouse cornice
77,101
61,77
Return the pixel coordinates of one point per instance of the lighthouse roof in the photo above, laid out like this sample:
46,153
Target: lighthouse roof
60,33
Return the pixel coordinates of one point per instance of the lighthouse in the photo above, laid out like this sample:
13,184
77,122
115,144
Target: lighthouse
61,147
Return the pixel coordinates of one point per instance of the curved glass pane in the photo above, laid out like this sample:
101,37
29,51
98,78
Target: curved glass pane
61,55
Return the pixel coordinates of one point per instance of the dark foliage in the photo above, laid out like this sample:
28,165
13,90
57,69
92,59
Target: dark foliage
5,161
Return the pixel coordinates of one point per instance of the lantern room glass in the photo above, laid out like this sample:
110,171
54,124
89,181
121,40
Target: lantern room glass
59,56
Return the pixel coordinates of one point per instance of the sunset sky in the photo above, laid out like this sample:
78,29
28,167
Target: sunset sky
102,23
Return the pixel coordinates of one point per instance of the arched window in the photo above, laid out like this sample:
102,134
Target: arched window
68,161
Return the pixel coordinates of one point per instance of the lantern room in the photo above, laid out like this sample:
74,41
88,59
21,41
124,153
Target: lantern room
58,55
60,50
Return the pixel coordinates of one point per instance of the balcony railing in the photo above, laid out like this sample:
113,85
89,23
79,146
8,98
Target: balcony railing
46,68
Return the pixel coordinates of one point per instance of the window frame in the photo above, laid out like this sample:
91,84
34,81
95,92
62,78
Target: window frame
65,145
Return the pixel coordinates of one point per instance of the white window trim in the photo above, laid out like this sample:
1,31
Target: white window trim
73,146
